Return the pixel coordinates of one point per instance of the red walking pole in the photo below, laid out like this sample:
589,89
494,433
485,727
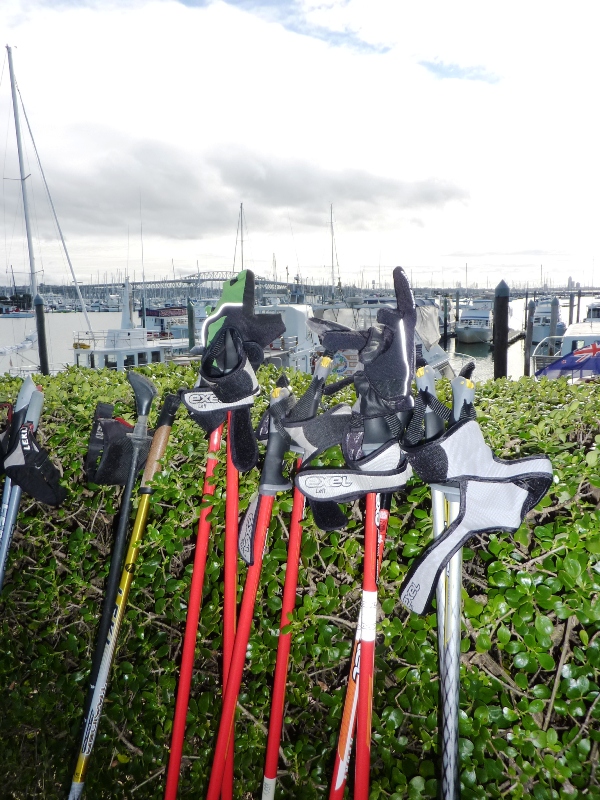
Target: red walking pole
236,669
230,590
283,646
348,724
367,655
191,625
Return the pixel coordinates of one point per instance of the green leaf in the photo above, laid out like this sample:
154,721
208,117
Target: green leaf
544,625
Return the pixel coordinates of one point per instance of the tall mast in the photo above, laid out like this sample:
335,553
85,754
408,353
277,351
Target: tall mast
242,231
332,269
13,87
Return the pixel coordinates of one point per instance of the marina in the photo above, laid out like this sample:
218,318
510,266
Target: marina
63,330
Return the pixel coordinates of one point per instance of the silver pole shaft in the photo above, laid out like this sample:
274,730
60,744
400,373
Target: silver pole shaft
445,507
9,526
22,171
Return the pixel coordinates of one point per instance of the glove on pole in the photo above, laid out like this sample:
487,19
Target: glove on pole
157,450
233,339
29,416
495,494
369,433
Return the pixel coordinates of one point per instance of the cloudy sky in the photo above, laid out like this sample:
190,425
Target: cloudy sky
443,135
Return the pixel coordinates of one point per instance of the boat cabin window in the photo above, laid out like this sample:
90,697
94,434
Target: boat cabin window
92,361
129,360
156,356
142,358
110,360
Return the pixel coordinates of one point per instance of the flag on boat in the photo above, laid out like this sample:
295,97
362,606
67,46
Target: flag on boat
580,364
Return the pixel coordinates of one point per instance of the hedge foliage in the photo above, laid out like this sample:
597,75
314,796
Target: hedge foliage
530,671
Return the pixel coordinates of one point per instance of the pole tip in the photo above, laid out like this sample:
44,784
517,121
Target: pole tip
502,289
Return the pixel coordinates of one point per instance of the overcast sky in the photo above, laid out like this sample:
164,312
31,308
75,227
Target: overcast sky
443,134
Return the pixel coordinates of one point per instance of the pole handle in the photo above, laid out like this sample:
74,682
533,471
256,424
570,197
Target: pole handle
34,409
161,436
144,391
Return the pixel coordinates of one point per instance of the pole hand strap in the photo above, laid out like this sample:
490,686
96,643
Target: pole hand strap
28,465
110,449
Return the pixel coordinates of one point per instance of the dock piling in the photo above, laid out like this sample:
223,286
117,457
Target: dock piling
528,338
501,301
571,307
40,321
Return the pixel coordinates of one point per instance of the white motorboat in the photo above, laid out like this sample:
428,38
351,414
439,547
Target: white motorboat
127,346
13,312
476,322
541,320
593,310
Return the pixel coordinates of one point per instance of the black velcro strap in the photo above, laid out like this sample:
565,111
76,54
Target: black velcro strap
416,430
328,516
113,466
244,449
96,443
28,466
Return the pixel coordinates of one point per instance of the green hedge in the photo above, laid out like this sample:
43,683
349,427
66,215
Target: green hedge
530,714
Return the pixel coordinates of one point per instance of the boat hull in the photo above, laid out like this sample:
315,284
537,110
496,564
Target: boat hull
472,334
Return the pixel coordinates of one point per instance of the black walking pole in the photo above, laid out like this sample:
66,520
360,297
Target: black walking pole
144,392
159,444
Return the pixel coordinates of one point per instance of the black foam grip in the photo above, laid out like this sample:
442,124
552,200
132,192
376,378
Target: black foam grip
272,475
168,411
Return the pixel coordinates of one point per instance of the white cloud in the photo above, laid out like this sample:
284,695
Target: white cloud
200,108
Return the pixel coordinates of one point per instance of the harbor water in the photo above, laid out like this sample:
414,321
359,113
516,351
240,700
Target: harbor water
61,327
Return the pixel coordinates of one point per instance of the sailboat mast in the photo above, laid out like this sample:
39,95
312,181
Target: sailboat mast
242,231
22,171
332,247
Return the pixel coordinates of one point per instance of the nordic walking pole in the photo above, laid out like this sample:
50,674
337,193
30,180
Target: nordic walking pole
18,417
191,624
446,506
348,723
8,519
368,624
270,477
157,451
445,502
283,645
236,669
313,395
144,393
230,590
